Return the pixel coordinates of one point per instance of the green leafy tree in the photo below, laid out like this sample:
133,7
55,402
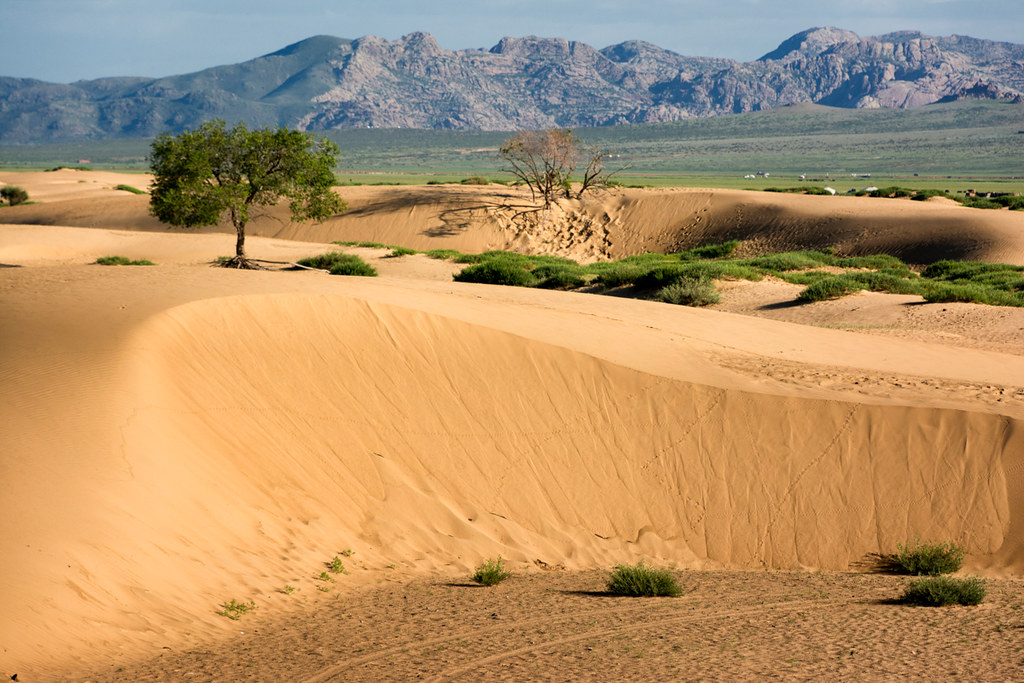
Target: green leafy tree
204,174
13,195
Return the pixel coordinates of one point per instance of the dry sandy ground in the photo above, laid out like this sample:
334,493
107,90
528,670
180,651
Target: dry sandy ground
178,436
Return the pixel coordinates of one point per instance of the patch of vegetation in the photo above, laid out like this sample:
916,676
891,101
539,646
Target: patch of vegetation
401,251
938,591
335,566
498,272
235,610
288,590
491,572
122,261
830,288
13,195
926,558
690,292
475,180
339,263
129,188
362,245
444,254
655,275
642,580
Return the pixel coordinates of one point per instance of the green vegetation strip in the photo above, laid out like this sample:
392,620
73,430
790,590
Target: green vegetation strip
688,277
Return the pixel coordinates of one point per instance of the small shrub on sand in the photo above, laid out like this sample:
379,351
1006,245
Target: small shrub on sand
830,288
401,251
13,195
338,263
234,609
498,272
336,567
129,188
926,558
491,572
938,591
444,254
641,580
690,292
557,276
122,261
620,274
710,251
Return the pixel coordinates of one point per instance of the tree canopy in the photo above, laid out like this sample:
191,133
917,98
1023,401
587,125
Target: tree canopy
203,175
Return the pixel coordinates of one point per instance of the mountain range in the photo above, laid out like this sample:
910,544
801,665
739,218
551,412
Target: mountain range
324,83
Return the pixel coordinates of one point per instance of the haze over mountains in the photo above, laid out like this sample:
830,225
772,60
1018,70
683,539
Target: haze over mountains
326,82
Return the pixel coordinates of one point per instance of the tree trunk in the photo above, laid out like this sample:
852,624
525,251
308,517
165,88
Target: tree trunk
240,241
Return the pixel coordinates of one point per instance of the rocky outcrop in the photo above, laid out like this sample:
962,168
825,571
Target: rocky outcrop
325,82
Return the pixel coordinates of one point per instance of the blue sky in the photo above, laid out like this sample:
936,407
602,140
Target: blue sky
68,40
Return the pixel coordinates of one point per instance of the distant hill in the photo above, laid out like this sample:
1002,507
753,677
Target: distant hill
325,83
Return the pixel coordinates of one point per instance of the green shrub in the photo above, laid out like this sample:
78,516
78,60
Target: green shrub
508,272
491,572
234,609
927,558
338,263
972,293
475,180
557,276
794,260
122,261
831,287
938,591
641,580
129,188
401,251
887,281
710,251
13,195
690,292
444,254
620,274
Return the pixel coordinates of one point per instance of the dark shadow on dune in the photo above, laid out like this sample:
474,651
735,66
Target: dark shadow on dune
9,265
594,594
780,305
462,584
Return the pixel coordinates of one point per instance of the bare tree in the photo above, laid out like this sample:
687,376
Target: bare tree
546,161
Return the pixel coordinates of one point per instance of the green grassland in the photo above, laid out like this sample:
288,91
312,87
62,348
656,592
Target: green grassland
955,146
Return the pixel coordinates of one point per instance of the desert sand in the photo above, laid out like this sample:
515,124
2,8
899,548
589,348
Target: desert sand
181,435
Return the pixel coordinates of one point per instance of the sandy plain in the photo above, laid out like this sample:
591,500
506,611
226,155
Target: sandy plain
180,435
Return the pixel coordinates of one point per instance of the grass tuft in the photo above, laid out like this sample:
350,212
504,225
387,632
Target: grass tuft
122,261
642,580
690,292
129,188
926,558
338,263
234,609
491,572
938,591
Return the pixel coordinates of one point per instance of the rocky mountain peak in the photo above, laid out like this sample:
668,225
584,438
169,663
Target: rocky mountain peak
811,42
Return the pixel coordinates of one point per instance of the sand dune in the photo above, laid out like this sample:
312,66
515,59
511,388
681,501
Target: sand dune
610,224
178,436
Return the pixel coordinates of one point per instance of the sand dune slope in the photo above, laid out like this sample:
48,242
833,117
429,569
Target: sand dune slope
187,453
607,224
